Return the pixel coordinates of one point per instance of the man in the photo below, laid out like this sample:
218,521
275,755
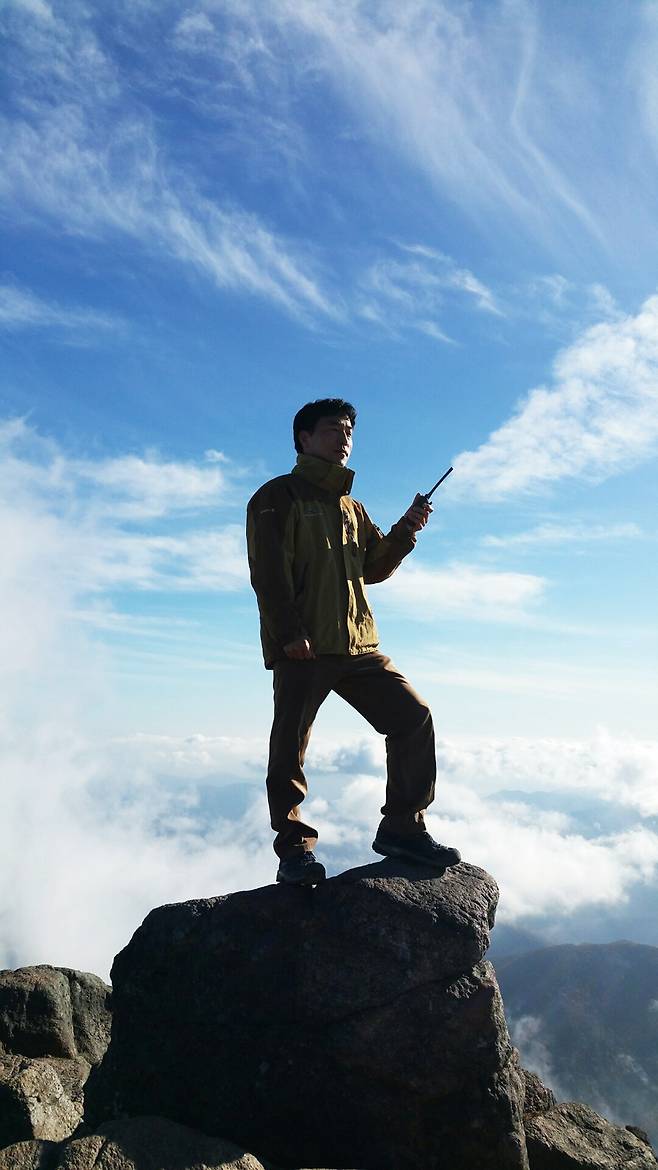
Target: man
312,549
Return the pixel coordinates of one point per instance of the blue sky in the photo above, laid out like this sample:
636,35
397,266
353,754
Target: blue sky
213,212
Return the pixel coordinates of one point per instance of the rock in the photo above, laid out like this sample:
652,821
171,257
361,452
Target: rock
351,1024
54,1011
538,1099
28,1156
40,1098
639,1133
574,1137
54,1025
139,1143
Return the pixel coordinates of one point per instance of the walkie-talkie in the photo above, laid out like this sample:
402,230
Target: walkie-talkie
424,497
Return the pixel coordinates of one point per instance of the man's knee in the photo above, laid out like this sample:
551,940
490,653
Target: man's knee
423,714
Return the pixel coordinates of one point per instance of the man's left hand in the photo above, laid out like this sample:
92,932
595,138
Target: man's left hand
418,514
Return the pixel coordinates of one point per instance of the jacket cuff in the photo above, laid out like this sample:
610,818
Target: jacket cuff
402,533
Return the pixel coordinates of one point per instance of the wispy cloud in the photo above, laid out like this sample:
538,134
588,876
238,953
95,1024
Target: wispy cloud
560,534
465,97
138,487
441,271
598,418
416,288
89,160
129,487
463,590
20,308
96,515
37,8
200,560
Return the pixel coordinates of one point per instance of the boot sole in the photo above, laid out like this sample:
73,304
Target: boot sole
309,879
409,855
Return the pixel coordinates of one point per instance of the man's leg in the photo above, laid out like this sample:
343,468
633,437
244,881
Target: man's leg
373,685
300,687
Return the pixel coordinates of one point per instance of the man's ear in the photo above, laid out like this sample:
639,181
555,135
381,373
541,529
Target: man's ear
303,436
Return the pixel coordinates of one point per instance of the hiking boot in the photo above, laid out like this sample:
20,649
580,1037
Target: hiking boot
302,869
420,848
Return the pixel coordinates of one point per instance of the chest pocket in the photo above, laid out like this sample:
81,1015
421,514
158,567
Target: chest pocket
351,534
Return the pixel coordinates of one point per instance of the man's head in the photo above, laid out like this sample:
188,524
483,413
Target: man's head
324,428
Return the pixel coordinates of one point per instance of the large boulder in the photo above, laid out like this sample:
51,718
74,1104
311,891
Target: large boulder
54,1025
140,1143
571,1136
353,1024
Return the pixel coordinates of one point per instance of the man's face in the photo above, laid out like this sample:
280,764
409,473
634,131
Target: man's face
331,439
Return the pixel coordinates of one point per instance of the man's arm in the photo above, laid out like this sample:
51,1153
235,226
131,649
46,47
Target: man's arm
270,546
385,552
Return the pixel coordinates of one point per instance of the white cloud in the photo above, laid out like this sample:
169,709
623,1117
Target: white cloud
543,865
598,419
191,758
37,8
193,30
89,160
442,271
559,534
532,677
200,560
134,845
471,101
130,487
528,1035
415,291
136,487
619,770
461,590
22,309
90,836
562,306
83,522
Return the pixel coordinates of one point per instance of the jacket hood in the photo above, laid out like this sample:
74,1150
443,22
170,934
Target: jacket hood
330,476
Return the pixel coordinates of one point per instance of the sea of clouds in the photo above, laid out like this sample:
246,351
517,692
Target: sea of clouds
96,829
95,834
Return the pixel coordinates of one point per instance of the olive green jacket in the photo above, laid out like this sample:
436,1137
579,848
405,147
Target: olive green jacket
312,549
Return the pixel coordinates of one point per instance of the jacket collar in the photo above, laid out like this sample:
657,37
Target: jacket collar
330,476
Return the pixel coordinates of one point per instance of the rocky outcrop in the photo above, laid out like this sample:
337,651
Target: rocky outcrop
538,1098
54,1011
141,1143
354,1024
54,1026
573,1137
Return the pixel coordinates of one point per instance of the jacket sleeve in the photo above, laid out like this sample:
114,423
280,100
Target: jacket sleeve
270,546
385,552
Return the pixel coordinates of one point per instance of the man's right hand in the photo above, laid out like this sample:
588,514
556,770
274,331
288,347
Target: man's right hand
301,648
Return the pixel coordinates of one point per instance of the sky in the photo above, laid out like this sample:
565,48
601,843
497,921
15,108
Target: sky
213,212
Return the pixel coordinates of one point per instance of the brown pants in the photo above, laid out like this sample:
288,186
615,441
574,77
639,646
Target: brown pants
371,684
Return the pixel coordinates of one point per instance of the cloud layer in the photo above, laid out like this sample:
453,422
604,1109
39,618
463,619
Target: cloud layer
148,820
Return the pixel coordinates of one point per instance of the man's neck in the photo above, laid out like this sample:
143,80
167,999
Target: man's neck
330,476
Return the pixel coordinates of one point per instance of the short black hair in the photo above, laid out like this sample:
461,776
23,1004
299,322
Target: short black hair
307,418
